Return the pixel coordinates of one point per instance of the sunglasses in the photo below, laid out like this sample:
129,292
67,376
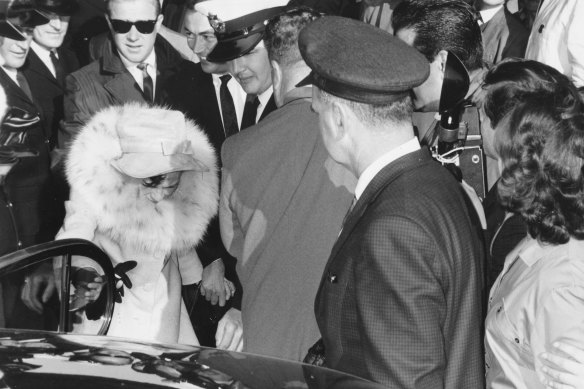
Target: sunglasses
123,26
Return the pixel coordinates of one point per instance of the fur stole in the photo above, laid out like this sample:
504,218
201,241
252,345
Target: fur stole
173,225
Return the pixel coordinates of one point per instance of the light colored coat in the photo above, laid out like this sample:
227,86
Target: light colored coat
106,208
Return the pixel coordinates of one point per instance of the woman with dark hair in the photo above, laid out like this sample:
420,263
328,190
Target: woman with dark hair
538,298
506,85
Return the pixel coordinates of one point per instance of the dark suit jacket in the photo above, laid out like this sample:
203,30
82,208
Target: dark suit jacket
107,82
503,36
400,298
28,185
47,90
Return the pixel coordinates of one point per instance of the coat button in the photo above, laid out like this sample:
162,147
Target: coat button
9,205
332,278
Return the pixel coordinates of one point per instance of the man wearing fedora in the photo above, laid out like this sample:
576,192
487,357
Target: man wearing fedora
48,63
399,301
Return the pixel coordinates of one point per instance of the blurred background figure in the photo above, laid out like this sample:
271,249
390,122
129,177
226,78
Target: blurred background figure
556,38
540,145
503,34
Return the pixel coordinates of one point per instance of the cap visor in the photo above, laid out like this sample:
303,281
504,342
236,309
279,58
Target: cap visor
8,30
144,165
233,48
308,80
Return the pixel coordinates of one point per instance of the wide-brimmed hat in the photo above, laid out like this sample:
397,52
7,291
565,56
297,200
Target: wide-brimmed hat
16,15
155,143
58,7
239,24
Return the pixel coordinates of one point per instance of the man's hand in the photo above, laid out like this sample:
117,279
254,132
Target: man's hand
564,369
229,334
214,286
88,285
38,288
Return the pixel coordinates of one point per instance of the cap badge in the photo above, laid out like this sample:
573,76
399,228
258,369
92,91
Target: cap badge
217,24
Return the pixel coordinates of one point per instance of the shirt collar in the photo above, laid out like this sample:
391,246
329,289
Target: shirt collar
10,73
304,92
40,50
265,96
371,171
150,61
488,14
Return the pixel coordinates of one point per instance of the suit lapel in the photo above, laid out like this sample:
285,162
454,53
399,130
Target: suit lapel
16,96
270,106
34,64
121,79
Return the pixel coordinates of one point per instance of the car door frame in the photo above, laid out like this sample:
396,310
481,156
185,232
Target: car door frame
65,249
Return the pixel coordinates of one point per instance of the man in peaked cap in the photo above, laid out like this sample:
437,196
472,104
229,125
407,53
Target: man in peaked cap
240,26
400,297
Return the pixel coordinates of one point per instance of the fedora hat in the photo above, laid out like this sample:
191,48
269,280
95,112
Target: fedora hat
58,7
16,15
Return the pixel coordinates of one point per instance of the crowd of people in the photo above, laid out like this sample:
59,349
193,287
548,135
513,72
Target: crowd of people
264,176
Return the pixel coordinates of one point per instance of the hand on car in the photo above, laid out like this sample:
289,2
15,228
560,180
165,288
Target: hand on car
38,288
214,286
564,369
88,285
229,335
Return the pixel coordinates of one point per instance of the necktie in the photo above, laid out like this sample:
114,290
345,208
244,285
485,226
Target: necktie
59,72
23,83
227,108
148,85
250,111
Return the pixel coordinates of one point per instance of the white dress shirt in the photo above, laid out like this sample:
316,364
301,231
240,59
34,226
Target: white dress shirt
371,171
137,73
45,56
237,94
263,98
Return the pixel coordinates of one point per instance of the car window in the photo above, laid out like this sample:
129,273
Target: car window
57,287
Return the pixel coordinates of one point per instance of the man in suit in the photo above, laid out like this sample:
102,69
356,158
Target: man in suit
134,70
281,224
503,34
239,27
400,297
206,93
26,200
48,63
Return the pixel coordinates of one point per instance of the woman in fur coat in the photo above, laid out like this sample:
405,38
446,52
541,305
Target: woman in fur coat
143,188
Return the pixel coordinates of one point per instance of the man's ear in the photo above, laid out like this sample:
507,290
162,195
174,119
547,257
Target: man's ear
340,116
276,81
159,20
440,60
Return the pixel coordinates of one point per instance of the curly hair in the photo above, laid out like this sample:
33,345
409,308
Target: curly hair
542,150
512,80
281,37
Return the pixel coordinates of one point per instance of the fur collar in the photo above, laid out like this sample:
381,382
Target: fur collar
174,225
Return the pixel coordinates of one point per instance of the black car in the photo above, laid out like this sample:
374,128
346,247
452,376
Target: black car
41,347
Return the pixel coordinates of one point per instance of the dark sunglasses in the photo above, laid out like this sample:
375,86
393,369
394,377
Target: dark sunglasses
123,26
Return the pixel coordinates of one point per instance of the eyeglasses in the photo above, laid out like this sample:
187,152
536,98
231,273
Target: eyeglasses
123,26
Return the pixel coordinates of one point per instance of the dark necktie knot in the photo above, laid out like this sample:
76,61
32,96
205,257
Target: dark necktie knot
230,125
225,79
250,111
147,83
59,71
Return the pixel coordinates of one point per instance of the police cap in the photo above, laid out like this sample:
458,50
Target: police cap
359,62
